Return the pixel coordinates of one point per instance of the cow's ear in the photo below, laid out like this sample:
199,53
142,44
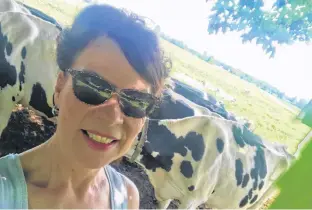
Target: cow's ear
60,83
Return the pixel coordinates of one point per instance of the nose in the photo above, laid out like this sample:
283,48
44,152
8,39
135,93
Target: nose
110,111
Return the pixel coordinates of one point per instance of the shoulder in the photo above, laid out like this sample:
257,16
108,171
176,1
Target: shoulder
133,197
133,194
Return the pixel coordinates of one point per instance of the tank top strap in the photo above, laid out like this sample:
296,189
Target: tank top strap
13,188
117,188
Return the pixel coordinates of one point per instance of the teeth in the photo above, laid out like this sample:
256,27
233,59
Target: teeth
100,138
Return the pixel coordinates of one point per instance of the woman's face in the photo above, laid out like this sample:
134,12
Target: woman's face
103,57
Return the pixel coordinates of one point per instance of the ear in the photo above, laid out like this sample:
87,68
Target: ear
60,83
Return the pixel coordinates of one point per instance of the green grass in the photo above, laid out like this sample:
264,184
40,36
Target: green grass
273,118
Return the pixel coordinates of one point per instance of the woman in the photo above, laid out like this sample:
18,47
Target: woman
112,76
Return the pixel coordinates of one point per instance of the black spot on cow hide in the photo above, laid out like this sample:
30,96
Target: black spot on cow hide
152,163
191,188
245,136
195,143
239,171
197,97
220,145
21,75
186,168
261,185
166,144
245,180
260,163
24,52
260,169
243,202
9,48
171,108
253,199
38,100
237,135
187,91
8,74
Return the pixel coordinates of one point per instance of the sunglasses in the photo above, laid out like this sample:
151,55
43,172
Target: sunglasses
92,89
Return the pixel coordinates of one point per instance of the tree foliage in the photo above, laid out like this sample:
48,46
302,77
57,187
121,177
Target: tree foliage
286,22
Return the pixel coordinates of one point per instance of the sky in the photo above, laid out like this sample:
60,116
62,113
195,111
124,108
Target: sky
290,70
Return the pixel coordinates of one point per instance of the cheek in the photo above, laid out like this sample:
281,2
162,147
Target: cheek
134,127
70,108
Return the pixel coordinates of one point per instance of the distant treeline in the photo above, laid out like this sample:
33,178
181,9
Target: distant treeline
300,103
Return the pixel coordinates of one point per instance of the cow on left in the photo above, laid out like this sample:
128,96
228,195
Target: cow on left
28,65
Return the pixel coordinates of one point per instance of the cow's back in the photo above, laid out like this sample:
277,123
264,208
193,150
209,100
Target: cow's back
249,168
176,106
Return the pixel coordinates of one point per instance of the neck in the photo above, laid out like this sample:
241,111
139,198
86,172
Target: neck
54,170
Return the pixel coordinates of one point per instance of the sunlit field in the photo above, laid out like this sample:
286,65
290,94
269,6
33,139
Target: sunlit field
273,118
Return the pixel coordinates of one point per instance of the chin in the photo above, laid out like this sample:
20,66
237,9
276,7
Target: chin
93,162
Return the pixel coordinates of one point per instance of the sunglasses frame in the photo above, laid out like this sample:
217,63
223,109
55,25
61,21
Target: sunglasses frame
120,92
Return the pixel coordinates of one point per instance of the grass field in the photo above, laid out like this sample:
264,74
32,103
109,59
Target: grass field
273,118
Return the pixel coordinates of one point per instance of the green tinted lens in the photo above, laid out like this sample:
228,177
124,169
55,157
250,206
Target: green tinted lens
135,103
89,94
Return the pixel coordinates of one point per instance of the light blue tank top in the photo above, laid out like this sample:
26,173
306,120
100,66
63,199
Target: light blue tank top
13,187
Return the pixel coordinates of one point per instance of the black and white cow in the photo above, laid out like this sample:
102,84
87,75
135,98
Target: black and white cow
28,68
205,159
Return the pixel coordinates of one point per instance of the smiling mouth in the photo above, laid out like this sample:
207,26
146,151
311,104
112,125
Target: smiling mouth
99,139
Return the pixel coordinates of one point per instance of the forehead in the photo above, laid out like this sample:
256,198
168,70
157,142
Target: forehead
104,57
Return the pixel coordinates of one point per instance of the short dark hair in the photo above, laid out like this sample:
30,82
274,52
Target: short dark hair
139,44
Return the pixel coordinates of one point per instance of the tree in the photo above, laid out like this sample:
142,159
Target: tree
281,95
302,102
287,21
157,29
293,99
